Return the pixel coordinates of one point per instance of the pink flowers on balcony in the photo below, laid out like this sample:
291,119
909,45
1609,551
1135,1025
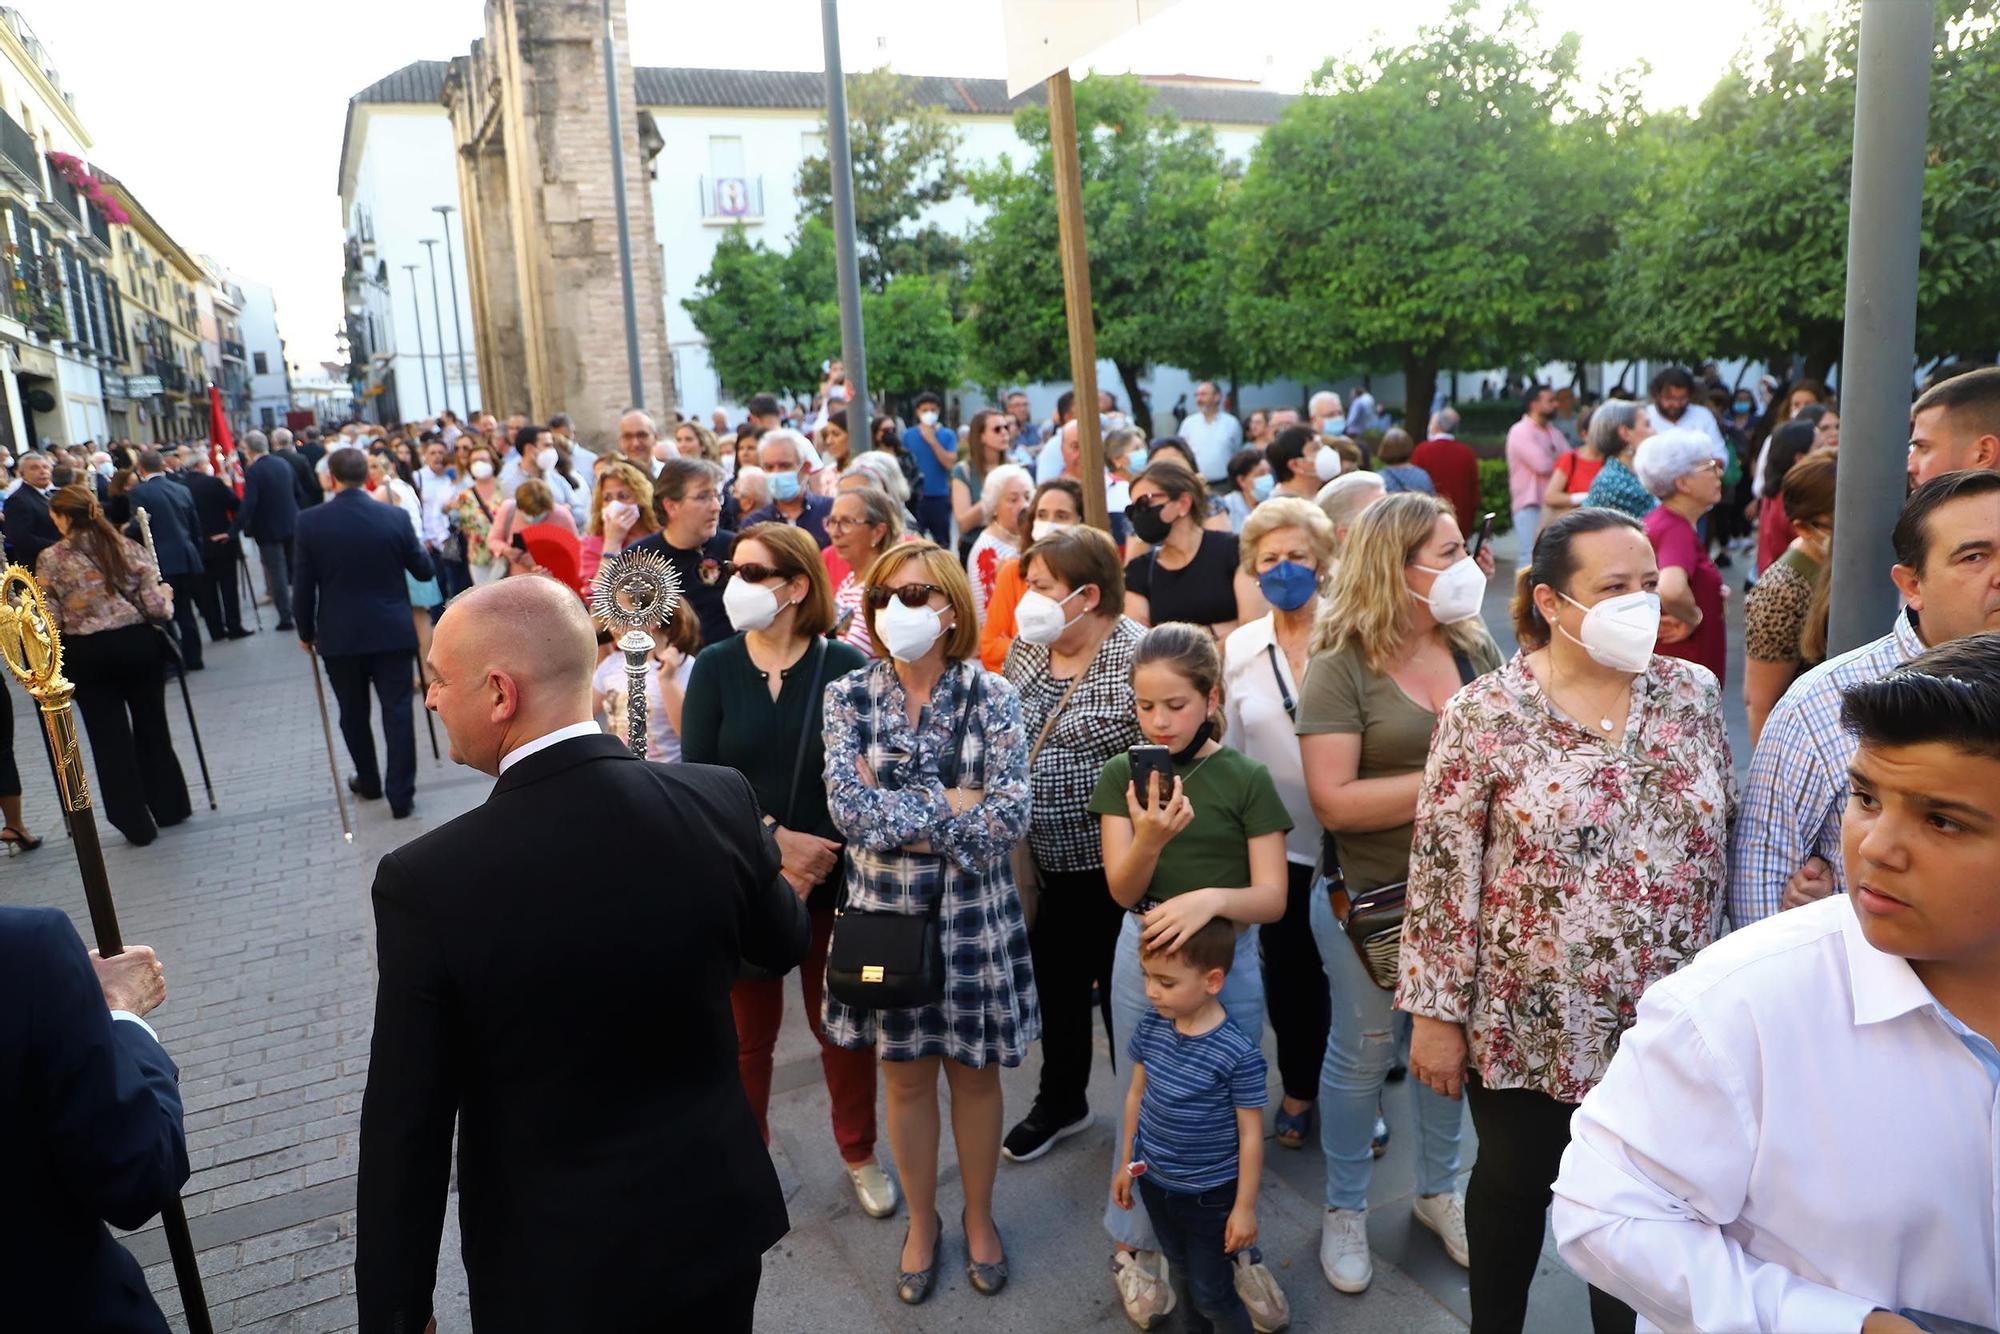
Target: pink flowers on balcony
73,169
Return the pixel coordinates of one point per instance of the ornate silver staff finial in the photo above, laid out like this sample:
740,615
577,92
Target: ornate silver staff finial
631,596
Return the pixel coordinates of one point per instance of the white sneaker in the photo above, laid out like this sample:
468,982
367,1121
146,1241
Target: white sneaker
874,1188
1143,1286
1343,1250
1445,1215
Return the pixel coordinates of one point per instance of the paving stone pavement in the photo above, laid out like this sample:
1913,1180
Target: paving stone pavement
260,913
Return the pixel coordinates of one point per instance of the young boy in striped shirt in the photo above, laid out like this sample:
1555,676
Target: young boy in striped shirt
1194,1121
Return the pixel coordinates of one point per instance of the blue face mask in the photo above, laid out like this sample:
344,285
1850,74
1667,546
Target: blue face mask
1135,462
1262,487
1288,585
784,485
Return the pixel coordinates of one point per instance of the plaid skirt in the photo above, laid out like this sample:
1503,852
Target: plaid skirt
988,1012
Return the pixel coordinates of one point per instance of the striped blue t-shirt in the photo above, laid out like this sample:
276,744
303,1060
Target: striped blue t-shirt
1187,1120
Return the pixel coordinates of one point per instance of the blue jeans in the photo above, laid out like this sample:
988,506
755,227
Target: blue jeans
1360,1047
1527,522
1191,1228
1242,998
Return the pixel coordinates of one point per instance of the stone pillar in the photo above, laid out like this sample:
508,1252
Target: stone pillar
530,120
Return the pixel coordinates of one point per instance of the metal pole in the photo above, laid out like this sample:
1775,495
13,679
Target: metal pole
326,730
445,211
847,265
1076,293
423,362
624,223
1878,353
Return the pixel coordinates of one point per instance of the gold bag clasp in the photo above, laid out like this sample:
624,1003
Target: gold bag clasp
871,972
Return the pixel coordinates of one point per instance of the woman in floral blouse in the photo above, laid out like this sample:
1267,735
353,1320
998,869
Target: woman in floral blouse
475,511
927,777
1569,850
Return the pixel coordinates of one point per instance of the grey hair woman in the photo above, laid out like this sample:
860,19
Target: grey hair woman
1682,468
1617,429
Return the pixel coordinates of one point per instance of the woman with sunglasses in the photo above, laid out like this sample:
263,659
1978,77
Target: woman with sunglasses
754,704
927,776
1191,574
1683,470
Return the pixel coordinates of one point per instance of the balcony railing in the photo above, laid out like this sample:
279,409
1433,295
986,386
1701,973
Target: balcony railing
62,196
19,162
231,348
100,232
732,198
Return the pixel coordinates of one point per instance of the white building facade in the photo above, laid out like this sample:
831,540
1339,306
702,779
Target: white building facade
270,383
734,141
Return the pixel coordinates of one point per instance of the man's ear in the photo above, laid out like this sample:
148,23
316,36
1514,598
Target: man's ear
1986,453
1906,581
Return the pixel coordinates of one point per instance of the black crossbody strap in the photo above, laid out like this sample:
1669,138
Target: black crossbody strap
1466,675
1284,691
959,729
805,731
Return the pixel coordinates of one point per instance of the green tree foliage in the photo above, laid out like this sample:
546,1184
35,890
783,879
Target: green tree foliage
768,318
1737,245
1413,213
905,157
1153,194
912,339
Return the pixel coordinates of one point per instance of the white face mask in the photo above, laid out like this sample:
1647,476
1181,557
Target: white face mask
481,470
1041,528
908,632
750,606
1326,464
1619,632
1039,619
927,418
547,459
1456,593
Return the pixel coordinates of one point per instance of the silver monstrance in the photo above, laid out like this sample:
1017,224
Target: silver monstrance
630,597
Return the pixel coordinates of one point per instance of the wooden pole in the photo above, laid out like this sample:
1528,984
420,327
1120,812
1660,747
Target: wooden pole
1076,295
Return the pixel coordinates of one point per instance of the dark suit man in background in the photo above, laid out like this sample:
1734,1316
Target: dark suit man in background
270,514
30,530
90,1121
305,480
350,601
311,449
611,1175
215,507
175,524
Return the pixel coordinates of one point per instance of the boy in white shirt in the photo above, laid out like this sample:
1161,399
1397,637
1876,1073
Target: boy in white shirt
1798,1134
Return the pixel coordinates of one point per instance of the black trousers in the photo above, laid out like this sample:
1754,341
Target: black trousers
10,773
727,1308
276,558
187,598
1522,1135
390,674
220,606
1074,938
1295,991
121,689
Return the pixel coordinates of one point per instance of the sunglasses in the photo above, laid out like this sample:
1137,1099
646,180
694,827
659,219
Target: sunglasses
753,573
910,595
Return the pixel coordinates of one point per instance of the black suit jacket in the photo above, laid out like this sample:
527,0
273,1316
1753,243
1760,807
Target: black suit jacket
215,507
305,480
90,1123
579,1028
348,561
29,529
175,524
270,508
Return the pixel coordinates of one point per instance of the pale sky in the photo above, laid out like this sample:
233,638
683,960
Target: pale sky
224,116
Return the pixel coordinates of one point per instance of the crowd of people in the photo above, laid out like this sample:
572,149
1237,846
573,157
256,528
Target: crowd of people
1255,757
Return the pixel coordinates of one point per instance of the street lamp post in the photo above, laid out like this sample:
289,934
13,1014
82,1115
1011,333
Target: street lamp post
444,389
444,212
423,363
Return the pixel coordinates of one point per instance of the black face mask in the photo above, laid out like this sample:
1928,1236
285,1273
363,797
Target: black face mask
1186,754
1147,525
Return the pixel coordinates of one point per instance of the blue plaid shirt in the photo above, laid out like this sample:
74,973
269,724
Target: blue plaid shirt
1798,777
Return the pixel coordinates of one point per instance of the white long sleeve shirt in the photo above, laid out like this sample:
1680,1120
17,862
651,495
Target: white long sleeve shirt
1794,1133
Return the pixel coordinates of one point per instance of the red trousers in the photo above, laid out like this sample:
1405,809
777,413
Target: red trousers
850,1075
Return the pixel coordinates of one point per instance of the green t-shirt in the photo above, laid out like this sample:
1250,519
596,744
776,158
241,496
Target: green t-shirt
1341,694
1234,801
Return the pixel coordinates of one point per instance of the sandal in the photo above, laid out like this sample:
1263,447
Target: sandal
1290,1129
19,838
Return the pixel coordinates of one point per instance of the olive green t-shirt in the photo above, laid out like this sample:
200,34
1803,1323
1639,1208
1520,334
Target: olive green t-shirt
1234,801
1342,694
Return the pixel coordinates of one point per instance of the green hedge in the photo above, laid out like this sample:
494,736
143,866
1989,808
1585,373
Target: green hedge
1487,417
1494,495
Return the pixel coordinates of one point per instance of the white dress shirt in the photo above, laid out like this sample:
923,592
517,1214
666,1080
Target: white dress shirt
1693,417
547,739
1213,442
1260,724
1794,1134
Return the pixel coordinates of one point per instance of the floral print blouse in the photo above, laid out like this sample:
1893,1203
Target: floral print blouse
1555,874
475,520
80,600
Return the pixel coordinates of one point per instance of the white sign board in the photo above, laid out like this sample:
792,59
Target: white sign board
142,386
1044,36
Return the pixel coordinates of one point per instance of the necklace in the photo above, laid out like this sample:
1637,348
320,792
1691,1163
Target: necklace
1605,722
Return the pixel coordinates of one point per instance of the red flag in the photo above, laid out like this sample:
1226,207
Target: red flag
221,444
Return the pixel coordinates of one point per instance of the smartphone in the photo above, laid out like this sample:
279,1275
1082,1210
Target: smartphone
1484,535
519,545
1147,761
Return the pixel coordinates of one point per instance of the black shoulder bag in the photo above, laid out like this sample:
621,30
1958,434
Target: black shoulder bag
747,971
892,960
1373,919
